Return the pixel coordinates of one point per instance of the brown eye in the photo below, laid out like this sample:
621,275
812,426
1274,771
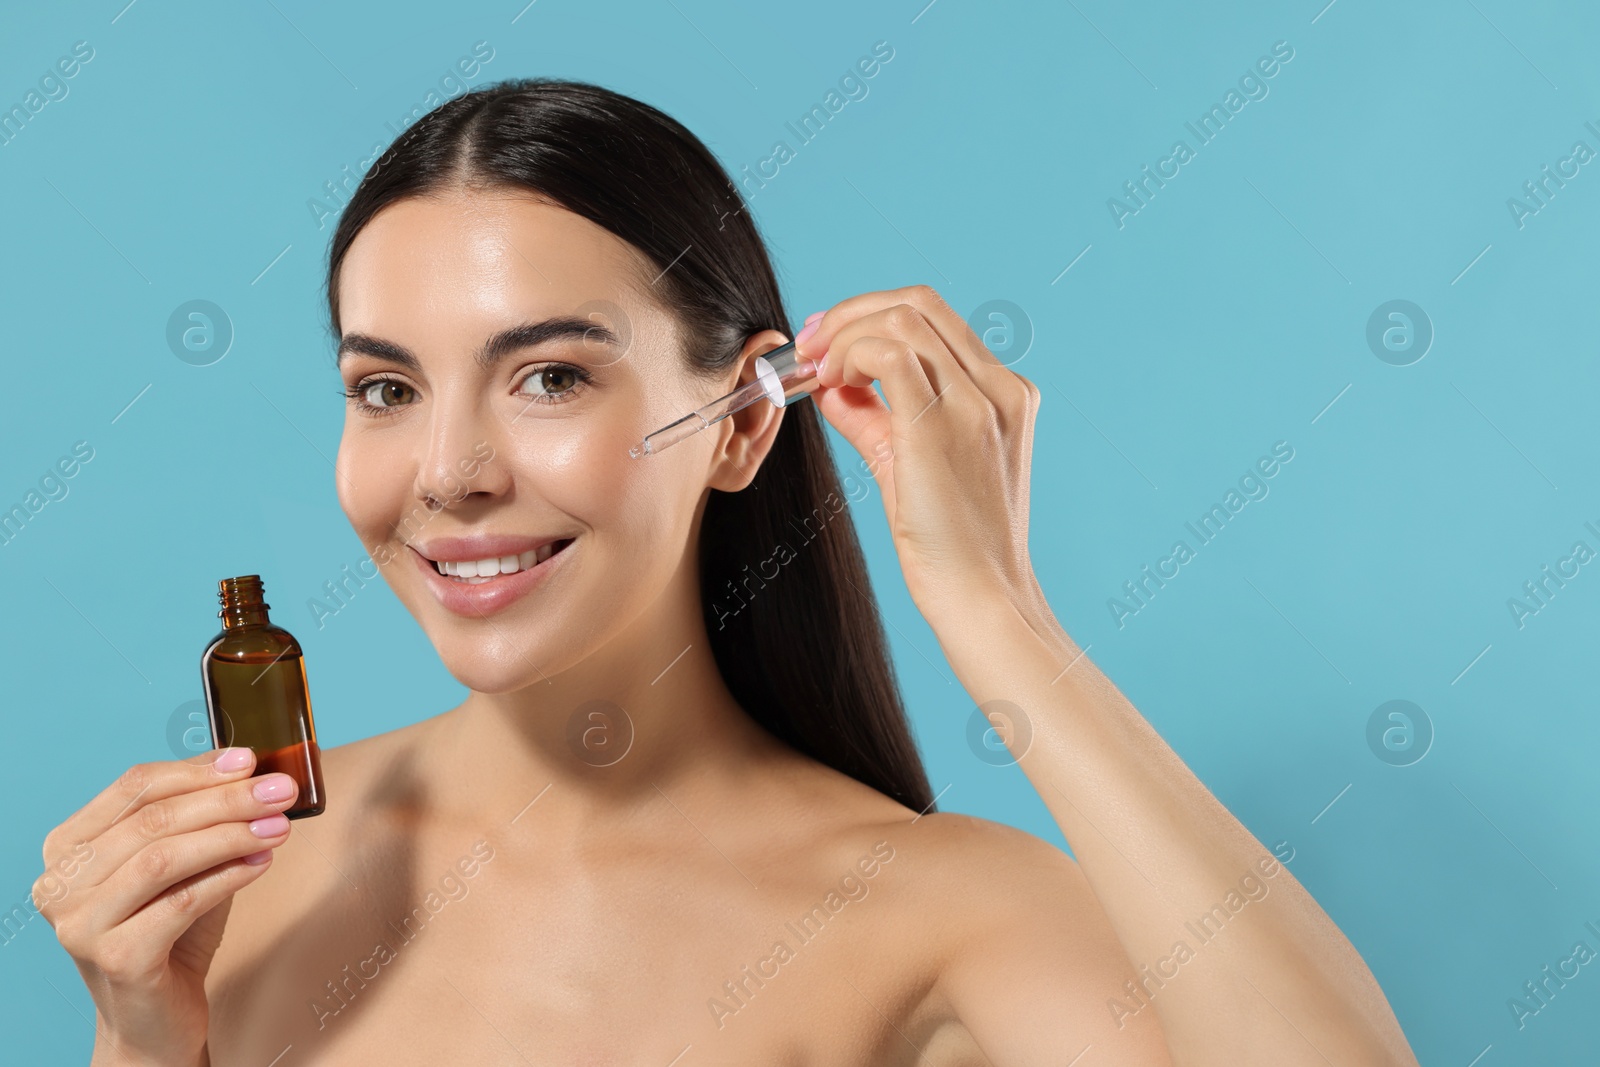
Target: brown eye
387,393
555,383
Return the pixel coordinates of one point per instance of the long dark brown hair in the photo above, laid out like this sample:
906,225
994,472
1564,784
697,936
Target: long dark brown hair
804,653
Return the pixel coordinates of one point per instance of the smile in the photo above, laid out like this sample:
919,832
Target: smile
476,571
475,577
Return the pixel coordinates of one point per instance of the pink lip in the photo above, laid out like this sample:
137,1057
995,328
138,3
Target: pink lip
482,599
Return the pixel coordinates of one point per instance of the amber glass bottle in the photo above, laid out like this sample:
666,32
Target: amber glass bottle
256,693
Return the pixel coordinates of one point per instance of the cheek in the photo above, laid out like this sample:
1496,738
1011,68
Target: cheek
587,476
370,490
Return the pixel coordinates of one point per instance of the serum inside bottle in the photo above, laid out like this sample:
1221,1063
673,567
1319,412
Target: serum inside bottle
257,696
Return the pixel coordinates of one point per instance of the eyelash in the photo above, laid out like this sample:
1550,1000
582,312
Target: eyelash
356,394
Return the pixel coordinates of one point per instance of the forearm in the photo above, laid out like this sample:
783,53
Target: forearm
1269,979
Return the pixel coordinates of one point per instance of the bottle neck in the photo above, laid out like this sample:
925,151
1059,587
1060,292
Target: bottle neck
242,602
238,618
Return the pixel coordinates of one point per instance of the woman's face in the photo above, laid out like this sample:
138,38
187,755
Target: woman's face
523,439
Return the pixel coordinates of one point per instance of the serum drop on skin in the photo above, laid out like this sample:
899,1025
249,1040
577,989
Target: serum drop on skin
256,693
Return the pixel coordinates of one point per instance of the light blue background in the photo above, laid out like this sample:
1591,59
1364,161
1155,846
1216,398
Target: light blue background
1228,314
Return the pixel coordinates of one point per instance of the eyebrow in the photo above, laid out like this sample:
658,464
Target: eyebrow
502,344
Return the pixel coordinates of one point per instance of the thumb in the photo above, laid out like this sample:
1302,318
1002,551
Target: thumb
862,418
859,414
197,945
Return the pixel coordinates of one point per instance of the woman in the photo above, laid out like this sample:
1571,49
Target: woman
680,817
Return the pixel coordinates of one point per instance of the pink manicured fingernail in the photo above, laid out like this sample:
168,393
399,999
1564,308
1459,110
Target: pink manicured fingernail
271,826
814,316
274,787
256,859
822,364
806,331
232,759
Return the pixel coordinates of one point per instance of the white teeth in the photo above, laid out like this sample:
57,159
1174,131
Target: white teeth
483,569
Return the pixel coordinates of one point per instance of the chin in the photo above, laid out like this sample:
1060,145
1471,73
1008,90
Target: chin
497,664
557,622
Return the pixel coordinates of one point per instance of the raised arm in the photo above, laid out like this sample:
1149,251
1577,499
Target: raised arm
1273,981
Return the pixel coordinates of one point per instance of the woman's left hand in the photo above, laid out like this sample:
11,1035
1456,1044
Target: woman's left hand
950,452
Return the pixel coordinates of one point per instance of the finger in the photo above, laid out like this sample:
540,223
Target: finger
236,802
862,418
903,341
904,323
959,339
916,406
166,863
143,783
1015,398
146,938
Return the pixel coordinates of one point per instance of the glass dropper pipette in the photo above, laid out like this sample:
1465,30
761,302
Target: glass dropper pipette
781,377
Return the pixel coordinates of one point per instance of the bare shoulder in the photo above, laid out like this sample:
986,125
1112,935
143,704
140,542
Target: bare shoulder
963,864
982,877
360,779
971,838
958,880
355,764
1028,961
379,778
995,933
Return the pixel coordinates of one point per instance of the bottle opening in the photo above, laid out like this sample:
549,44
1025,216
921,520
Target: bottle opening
241,594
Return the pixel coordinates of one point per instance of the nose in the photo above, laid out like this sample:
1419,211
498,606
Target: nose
460,461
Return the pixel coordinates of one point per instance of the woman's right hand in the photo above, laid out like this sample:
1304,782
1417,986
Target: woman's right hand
138,884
